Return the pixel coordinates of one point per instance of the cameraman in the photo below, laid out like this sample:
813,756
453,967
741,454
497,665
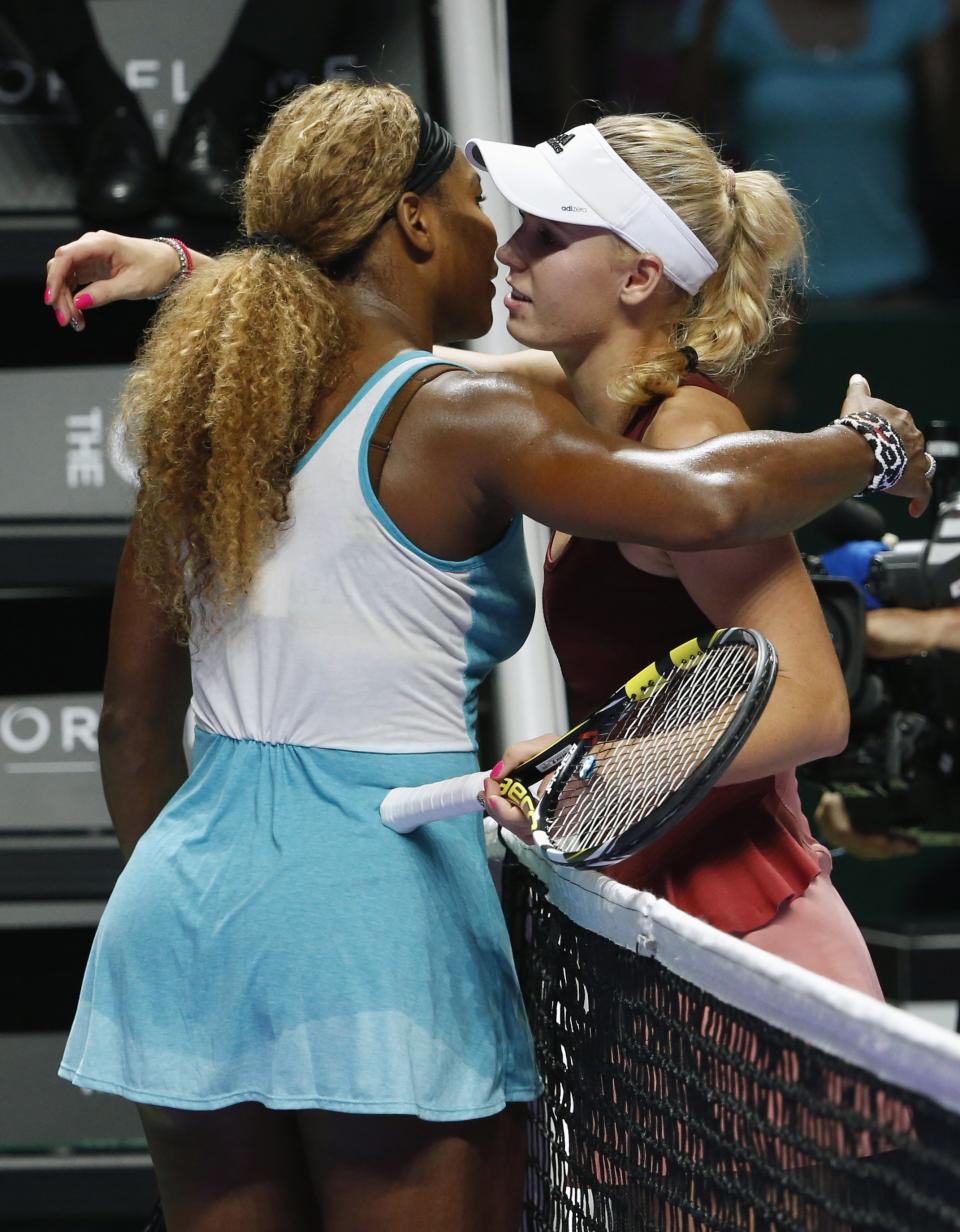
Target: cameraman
910,596
894,632
891,633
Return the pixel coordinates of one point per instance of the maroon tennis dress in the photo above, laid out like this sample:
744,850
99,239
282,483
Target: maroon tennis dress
744,859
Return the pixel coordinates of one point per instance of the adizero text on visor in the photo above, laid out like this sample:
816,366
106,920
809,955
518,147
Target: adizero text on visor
577,177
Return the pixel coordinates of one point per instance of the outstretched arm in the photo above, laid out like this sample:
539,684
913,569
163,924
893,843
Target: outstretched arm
103,268
533,451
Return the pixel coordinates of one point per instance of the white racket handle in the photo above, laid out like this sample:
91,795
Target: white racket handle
405,809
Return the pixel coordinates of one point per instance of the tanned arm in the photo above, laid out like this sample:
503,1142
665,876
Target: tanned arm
527,449
145,699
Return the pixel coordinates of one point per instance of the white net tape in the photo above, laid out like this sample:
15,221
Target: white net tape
895,1046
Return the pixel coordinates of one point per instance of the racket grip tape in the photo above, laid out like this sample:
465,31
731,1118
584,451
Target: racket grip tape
405,809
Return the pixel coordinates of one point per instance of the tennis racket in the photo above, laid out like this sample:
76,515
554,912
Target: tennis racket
629,772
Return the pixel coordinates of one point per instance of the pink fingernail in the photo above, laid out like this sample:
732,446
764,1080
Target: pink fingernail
47,295
61,317
497,770
83,301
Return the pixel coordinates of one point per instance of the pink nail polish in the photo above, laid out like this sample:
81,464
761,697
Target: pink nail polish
47,296
497,770
61,317
83,301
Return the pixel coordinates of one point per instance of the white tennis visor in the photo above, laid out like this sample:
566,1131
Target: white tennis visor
578,178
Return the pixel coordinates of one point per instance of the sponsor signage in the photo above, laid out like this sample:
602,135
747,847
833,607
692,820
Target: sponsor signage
62,456
49,769
49,773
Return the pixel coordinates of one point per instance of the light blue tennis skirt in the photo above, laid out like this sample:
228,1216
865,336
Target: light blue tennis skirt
271,940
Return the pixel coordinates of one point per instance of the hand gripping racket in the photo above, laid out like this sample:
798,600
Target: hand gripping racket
634,768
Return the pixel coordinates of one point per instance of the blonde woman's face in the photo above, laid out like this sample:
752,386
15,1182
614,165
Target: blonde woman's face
565,282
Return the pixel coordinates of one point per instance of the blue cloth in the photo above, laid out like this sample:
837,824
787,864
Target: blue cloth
852,561
837,126
271,940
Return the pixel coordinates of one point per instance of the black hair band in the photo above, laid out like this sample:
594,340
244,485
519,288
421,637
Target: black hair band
691,356
435,153
270,239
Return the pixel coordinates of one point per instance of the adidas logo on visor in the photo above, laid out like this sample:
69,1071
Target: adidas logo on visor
557,143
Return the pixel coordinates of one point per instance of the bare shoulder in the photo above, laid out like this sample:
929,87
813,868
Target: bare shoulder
478,387
501,400
475,385
541,367
693,415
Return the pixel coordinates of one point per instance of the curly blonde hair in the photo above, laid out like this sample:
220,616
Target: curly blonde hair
219,404
748,221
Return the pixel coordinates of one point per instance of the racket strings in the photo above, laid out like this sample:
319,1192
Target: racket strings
651,749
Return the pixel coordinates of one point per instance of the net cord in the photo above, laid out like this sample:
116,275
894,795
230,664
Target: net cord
895,1046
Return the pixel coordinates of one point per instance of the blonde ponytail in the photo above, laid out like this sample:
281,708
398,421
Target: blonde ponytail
748,222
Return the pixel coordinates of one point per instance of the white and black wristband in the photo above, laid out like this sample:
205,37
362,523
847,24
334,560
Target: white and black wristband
890,457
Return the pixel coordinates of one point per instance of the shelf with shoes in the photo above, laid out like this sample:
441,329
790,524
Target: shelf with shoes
109,117
58,179
92,93
57,172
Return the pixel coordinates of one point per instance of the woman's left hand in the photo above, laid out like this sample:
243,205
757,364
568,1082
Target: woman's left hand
108,268
502,812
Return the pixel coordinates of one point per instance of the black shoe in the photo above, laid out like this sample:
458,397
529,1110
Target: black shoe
204,163
120,173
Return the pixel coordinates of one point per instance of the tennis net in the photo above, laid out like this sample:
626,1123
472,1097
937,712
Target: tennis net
693,1082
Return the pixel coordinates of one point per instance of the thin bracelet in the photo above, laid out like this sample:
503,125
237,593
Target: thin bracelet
185,258
890,457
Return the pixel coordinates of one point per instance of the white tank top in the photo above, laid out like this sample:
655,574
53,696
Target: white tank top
352,637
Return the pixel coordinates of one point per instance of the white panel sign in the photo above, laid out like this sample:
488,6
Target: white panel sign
61,457
49,773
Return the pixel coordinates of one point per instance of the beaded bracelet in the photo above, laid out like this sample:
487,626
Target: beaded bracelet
890,457
186,264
